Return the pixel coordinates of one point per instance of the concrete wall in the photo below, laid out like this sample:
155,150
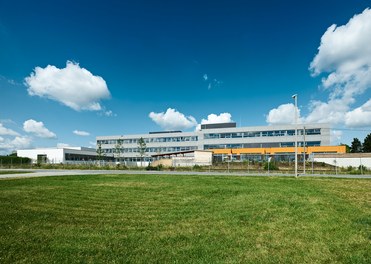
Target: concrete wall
163,162
203,156
346,160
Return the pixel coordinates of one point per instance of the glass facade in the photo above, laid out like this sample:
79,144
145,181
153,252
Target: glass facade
148,140
207,139
262,145
272,133
150,149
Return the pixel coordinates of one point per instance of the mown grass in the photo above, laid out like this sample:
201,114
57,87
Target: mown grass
184,219
13,172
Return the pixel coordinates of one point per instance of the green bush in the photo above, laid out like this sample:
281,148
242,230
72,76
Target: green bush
272,166
154,168
13,160
196,167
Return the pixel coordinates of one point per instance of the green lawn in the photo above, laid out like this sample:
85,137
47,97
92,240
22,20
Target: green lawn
13,172
184,219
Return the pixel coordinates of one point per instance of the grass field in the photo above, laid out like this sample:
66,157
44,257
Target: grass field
12,172
184,219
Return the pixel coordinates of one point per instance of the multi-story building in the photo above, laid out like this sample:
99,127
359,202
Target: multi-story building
216,137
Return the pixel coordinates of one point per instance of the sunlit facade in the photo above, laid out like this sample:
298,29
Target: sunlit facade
220,138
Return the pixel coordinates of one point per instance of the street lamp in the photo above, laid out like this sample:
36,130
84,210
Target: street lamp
295,97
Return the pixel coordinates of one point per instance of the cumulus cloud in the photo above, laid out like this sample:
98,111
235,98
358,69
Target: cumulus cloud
173,120
283,114
62,145
6,131
19,142
72,86
359,117
81,133
37,128
221,118
344,59
345,55
331,112
335,137
214,119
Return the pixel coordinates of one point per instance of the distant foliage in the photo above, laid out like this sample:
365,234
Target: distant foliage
8,160
270,166
356,146
367,143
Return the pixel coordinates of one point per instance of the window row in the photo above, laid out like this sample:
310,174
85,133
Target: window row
273,133
150,150
262,145
147,140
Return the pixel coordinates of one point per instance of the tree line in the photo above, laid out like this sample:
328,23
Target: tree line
358,147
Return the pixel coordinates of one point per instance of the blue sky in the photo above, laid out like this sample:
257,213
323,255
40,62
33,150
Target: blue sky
74,70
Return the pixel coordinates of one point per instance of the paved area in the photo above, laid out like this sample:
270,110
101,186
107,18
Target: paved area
28,173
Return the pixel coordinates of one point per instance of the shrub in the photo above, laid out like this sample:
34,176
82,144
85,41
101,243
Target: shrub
272,166
154,168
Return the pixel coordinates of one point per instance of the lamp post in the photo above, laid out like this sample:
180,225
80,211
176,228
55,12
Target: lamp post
304,155
295,97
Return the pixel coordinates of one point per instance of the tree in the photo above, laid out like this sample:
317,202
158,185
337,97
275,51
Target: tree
356,146
142,147
347,148
119,148
367,143
99,152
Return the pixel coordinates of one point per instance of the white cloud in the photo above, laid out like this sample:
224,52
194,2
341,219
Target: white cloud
345,54
331,112
344,58
109,113
205,77
72,86
81,133
221,118
62,145
37,128
283,114
6,131
359,117
335,137
173,120
214,119
7,145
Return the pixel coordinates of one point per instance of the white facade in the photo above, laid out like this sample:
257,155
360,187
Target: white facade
59,155
214,138
345,160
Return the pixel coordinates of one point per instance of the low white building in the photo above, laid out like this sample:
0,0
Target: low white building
345,160
59,155
184,158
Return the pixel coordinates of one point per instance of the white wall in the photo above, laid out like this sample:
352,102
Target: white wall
54,155
346,162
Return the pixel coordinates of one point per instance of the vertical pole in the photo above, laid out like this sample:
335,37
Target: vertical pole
304,150
268,165
295,97
312,163
360,165
228,165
